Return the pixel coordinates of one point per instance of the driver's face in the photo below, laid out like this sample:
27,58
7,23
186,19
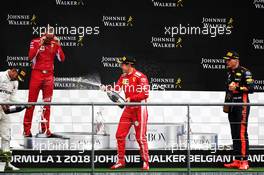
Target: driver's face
125,67
13,75
231,63
49,36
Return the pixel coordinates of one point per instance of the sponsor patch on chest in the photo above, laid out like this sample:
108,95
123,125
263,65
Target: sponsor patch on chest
238,74
125,81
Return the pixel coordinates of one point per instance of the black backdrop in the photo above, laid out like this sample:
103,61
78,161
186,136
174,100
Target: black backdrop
164,66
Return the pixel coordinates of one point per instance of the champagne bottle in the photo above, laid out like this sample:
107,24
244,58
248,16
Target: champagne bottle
115,97
14,108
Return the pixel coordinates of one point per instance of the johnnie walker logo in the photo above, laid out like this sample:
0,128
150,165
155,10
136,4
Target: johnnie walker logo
170,3
21,20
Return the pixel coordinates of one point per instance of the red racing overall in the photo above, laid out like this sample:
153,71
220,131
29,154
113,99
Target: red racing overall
136,87
42,78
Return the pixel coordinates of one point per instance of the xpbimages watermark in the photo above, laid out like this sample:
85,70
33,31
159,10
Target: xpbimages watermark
66,30
212,31
140,88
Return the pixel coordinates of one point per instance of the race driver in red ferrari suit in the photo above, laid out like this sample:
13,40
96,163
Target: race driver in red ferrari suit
42,53
136,88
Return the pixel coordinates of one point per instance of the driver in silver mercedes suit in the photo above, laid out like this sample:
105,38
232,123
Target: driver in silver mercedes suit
8,93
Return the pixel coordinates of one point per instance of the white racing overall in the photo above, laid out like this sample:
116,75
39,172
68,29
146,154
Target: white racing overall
8,90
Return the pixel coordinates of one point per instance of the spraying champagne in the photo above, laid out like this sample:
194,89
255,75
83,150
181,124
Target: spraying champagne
13,108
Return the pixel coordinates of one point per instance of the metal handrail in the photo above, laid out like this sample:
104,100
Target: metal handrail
128,104
93,104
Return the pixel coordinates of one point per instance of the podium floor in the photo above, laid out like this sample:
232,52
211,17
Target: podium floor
137,171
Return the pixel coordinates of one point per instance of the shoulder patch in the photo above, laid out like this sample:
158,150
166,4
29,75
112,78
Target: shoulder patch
138,74
248,73
250,80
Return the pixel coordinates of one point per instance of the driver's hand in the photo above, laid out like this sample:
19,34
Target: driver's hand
128,99
232,86
57,40
5,107
42,39
28,106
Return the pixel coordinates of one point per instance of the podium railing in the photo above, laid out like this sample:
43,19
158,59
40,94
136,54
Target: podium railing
93,104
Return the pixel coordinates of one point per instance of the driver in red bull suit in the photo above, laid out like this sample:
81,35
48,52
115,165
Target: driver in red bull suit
136,88
240,83
42,53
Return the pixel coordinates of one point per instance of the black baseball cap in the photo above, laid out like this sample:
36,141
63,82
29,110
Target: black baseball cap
126,60
21,75
231,55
